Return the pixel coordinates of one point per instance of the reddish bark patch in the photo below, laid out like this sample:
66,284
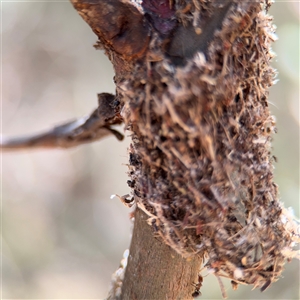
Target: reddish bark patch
161,13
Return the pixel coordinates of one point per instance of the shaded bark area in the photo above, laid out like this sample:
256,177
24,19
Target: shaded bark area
155,270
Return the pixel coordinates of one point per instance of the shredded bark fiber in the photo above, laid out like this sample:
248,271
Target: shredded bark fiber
200,158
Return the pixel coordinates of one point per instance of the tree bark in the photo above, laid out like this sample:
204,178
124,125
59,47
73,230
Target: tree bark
154,269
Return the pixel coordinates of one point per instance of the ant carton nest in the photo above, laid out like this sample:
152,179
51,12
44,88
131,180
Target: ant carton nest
200,158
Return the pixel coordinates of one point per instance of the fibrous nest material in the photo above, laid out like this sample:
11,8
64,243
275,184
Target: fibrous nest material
200,158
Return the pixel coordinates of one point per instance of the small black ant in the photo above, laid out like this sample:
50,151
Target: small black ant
197,286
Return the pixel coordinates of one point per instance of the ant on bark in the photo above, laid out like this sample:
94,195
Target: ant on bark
197,286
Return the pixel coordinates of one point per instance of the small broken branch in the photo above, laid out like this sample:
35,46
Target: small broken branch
85,130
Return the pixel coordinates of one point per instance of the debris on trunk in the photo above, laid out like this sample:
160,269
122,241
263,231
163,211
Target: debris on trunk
201,129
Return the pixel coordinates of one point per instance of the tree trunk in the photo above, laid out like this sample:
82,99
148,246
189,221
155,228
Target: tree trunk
192,80
155,270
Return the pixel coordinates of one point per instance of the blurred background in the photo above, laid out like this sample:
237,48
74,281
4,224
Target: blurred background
63,236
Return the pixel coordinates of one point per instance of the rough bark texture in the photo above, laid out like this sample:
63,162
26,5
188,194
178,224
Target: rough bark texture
155,270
